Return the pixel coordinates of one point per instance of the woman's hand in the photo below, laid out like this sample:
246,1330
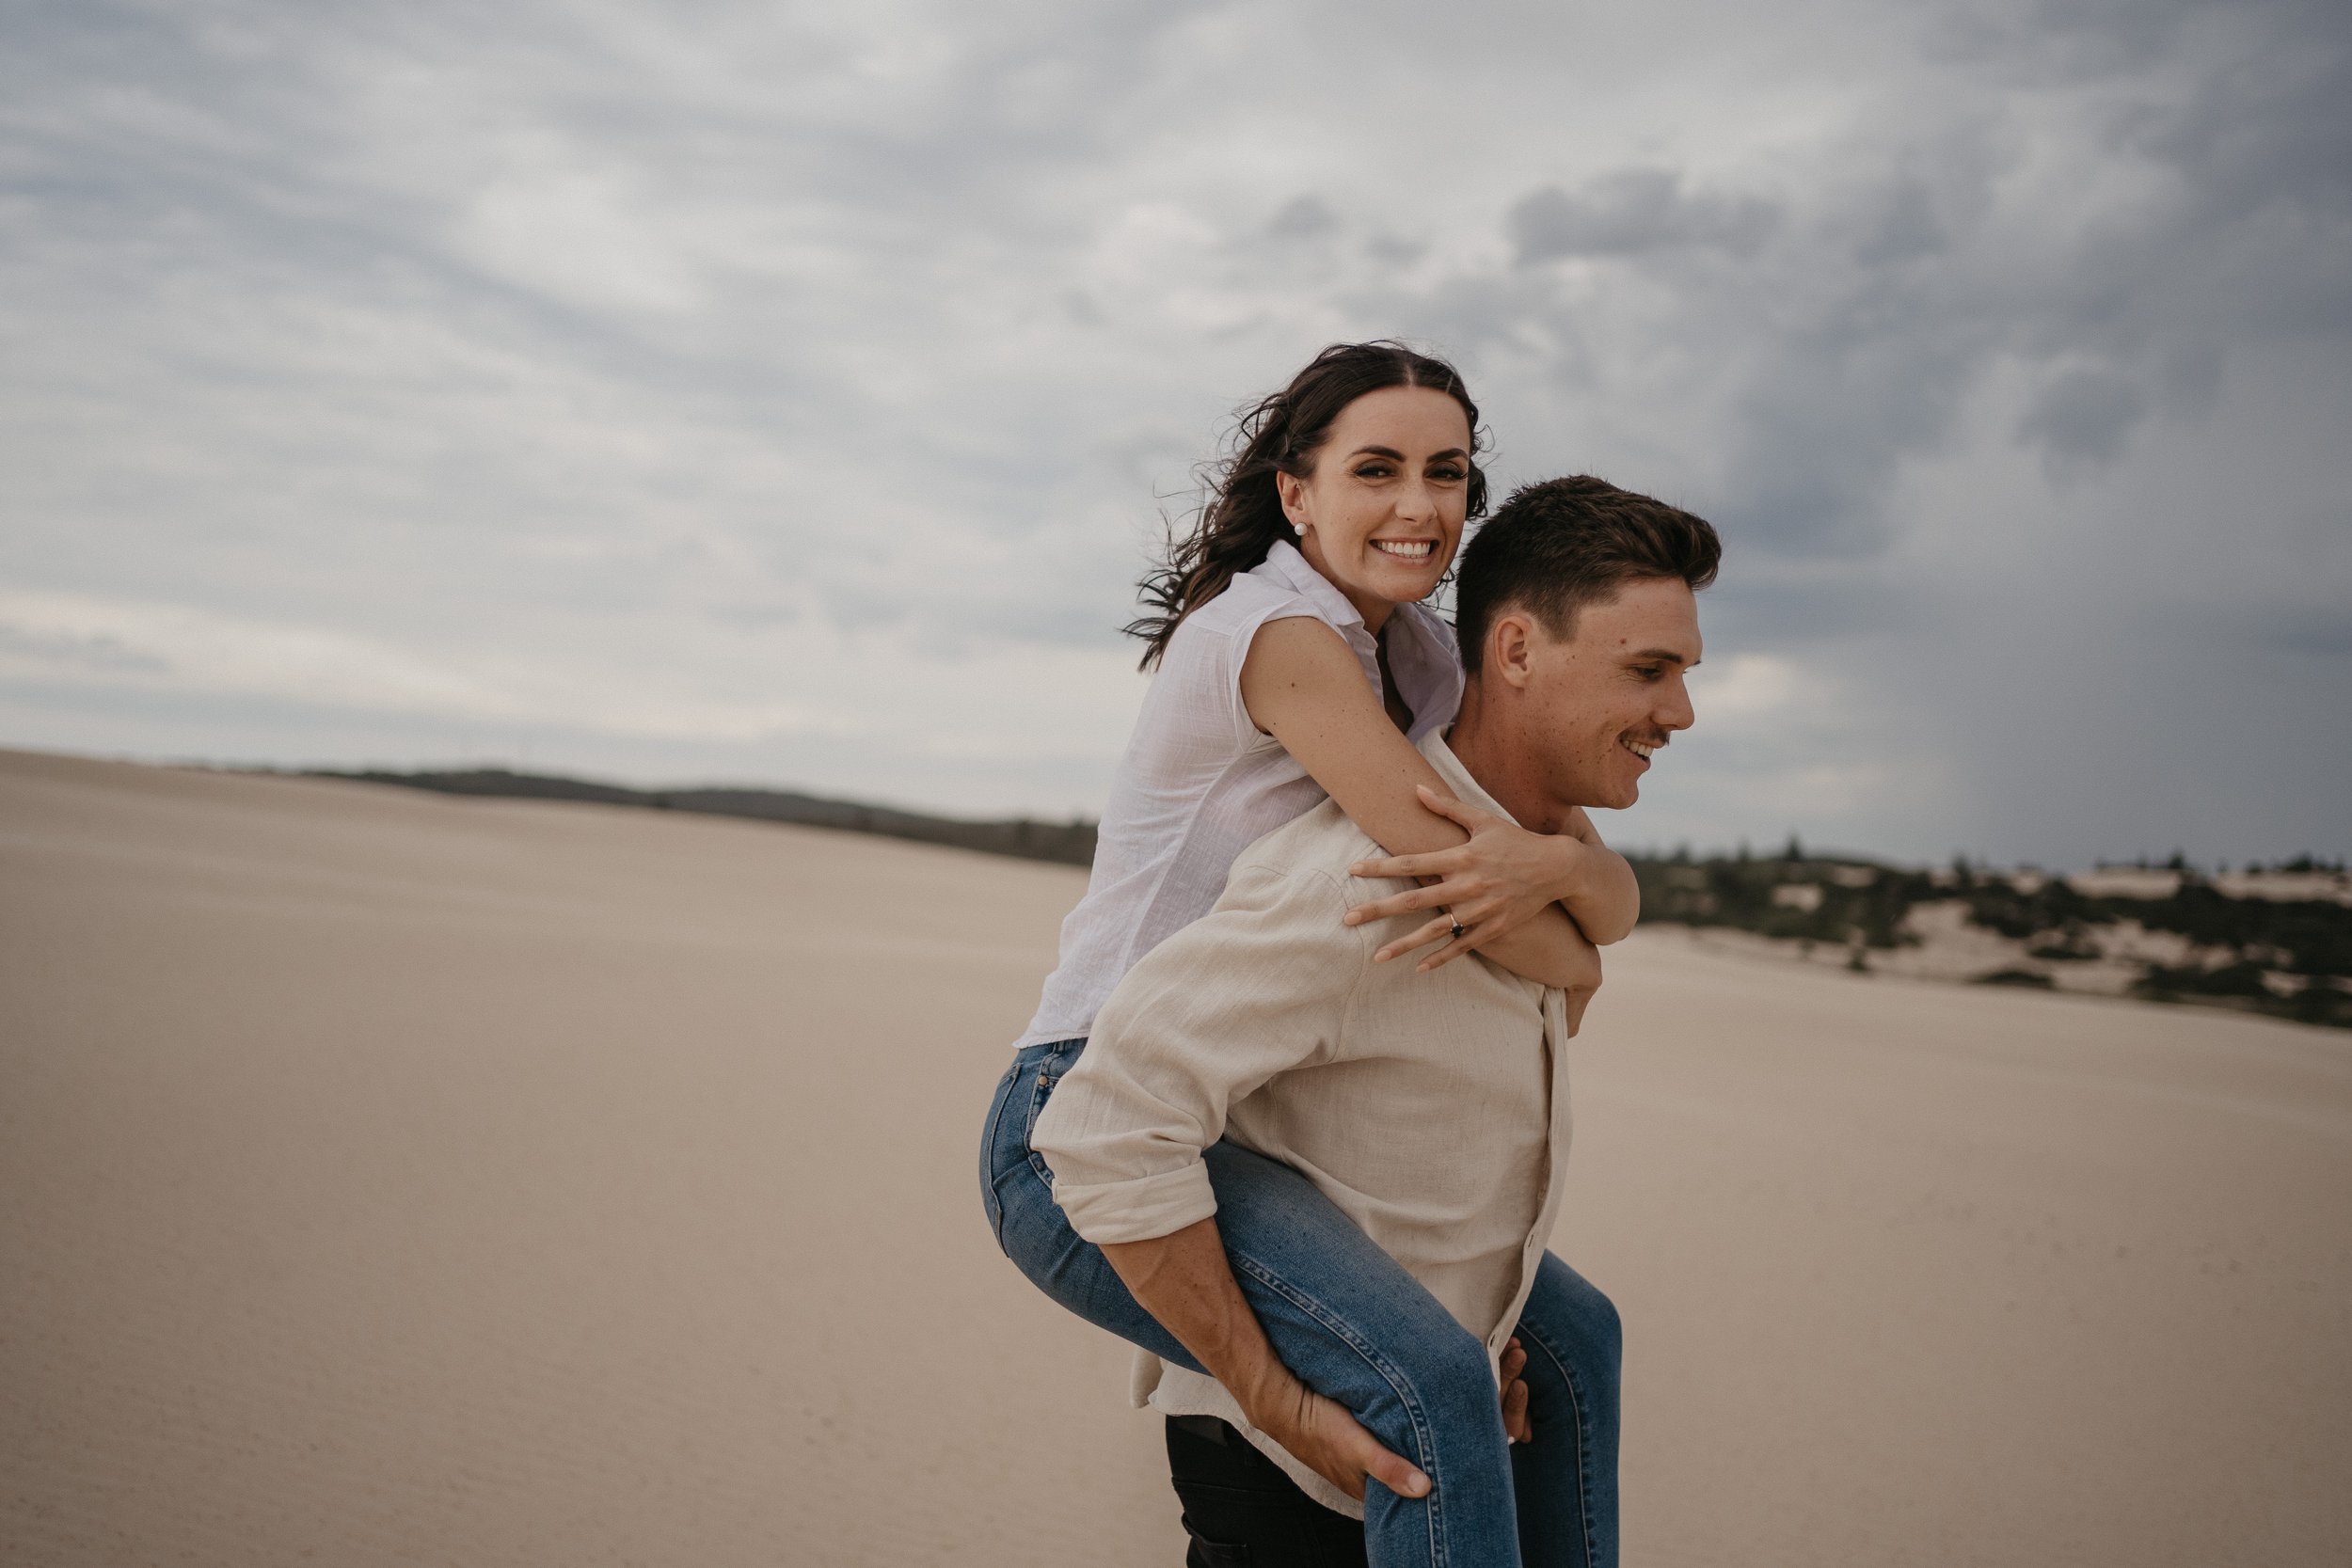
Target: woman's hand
1495,883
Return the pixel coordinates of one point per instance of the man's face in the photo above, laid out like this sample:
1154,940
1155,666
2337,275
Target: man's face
1600,700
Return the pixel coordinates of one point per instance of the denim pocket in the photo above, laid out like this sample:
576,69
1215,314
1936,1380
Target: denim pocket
1050,1070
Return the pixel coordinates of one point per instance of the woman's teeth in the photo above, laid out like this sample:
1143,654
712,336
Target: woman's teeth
1405,550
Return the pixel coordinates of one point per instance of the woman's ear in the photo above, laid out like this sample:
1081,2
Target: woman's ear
1292,490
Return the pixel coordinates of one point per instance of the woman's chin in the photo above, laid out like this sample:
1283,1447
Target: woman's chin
1407,587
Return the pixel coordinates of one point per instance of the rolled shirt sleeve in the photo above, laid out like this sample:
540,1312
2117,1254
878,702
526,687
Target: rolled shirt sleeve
1257,987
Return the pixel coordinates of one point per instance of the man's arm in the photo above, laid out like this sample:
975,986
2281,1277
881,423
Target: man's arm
1255,988
1184,1280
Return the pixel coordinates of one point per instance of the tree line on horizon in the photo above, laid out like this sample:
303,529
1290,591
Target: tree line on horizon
2285,957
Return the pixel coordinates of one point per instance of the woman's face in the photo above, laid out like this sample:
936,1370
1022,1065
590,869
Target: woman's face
1380,513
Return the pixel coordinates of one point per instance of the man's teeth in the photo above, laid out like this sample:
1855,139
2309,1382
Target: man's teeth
1405,550
1638,750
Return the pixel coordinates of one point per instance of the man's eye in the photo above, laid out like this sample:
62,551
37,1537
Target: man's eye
1648,672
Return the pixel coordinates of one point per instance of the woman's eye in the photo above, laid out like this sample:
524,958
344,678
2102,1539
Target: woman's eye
1375,470
1445,472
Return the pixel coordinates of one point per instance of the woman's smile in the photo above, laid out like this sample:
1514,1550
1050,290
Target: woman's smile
1395,458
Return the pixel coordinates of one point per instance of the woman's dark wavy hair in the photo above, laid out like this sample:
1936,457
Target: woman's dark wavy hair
1243,516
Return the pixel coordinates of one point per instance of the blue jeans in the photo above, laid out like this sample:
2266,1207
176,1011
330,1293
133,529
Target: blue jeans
1353,1326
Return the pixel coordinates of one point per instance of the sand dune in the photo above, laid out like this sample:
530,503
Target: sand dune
387,1178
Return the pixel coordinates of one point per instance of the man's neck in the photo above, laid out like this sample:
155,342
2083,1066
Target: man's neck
1480,741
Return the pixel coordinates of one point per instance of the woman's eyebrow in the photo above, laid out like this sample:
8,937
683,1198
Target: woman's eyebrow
1395,456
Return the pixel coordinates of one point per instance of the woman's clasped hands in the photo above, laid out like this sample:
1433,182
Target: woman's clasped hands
1503,877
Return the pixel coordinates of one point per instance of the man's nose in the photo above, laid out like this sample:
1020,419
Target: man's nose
1673,709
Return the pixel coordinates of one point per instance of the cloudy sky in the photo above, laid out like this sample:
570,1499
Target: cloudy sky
787,393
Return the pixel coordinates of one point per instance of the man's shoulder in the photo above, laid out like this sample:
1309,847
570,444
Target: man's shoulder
1288,889
1308,858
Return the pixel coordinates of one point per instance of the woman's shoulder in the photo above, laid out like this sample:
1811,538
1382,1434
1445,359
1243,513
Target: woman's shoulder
1217,635
1251,599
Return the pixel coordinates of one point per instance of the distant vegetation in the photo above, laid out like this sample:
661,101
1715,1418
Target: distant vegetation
1064,843
2288,957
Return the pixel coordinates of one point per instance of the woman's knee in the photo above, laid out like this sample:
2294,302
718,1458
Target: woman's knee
1442,1388
1605,1329
1567,1305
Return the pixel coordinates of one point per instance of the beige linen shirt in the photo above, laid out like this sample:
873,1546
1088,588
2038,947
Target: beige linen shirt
1431,1109
1200,782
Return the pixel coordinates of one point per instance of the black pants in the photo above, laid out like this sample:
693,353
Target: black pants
1241,1509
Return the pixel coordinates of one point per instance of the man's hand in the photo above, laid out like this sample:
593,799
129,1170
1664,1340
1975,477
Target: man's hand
1185,1281
1515,1422
1321,1434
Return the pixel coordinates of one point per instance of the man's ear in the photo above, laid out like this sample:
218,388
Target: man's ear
1510,649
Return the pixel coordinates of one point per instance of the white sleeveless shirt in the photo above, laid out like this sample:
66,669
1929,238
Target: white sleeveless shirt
1199,784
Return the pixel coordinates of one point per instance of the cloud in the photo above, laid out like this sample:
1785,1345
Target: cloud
2082,416
794,394
1635,212
1303,217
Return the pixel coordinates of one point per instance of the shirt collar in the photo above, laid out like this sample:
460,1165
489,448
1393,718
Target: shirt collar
1286,565
1428,676
1466,788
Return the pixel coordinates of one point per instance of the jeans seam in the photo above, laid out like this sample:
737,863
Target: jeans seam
1356,1341
1583,1443
988,1153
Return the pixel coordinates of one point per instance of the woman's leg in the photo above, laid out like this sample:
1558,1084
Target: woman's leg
1566,1478
1018,1189
1343,1316
1353,1326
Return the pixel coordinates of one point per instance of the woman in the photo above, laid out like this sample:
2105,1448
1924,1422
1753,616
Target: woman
1296,659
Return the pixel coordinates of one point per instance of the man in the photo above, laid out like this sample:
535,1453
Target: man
1258,1044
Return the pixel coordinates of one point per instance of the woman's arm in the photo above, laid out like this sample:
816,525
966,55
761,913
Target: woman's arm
1302,685
1590,880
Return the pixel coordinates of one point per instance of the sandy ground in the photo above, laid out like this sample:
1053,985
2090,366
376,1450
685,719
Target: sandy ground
390,1179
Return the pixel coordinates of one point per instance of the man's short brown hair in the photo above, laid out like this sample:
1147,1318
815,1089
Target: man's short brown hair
1557,546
